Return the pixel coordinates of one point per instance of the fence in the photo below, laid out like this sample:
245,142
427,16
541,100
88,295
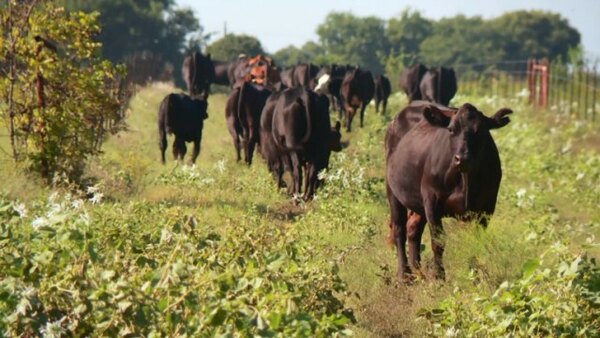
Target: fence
563,88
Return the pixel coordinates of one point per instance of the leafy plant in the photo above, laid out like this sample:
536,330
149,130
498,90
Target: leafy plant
61,98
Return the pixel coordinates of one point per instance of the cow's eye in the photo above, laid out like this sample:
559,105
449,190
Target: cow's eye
451,130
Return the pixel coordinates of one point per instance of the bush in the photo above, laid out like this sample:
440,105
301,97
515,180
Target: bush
61,98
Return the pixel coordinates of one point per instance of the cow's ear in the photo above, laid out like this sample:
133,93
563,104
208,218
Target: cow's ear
338,125
436,117
500,119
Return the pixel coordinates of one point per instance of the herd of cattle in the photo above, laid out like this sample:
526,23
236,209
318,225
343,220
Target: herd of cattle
440,161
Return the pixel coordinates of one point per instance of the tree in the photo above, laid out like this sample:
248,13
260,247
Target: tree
459,40
537,34
351,39
231,46
144,31
406,33
61,98
291,55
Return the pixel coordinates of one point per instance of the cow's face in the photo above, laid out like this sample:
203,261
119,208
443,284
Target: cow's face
467,130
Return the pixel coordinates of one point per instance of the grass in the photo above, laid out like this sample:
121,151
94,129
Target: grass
551,166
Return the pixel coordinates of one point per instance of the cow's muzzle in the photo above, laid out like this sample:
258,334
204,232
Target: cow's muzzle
461,162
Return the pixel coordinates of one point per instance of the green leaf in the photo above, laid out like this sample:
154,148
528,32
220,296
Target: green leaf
529,267
217,317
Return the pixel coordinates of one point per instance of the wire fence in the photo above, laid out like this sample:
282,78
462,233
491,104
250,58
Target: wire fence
570,89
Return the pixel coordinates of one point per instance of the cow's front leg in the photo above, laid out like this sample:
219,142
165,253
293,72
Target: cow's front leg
433,212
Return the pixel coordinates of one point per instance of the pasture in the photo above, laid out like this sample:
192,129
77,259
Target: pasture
217,250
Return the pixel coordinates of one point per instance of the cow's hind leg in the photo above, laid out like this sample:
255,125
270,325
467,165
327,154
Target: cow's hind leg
398,234
179,148
162,144
363,106
311,181
415,227
297,172
196,150
383,111
250,145
377,106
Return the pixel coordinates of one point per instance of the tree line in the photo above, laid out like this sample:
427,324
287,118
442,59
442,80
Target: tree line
167,31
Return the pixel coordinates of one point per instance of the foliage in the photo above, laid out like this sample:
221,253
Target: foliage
406,33
461,40
131,28
291,55
534,34
409,38
557,299
356,40
231,46
61,98
152,270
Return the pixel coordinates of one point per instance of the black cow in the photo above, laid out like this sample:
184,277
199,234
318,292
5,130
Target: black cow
287,77
302,74
222,72
439,85
383,88
303,137
198,73
242,113
268,148
183,116
444,164
356,92
329,82
410,81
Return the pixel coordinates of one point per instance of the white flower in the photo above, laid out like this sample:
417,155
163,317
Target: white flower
54,329
92,189
53,196
521,193
580,176
452,332
220,165
76,204
39,222
97,198
20,209
85,218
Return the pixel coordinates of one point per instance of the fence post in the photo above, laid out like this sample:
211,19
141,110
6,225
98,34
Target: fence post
585,97
594,95
531,81
572,84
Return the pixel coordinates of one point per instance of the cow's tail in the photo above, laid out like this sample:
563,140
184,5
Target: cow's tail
240,113
193,70
163,121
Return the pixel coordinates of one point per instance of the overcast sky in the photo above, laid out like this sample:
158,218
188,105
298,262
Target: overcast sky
280,23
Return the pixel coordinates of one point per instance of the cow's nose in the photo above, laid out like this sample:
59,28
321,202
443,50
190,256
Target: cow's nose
457,159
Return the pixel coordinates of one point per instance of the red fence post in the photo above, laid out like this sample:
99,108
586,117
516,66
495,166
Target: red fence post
531,81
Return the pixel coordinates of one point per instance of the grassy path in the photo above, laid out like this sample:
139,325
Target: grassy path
330,250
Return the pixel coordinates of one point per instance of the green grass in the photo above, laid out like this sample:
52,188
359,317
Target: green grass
332,252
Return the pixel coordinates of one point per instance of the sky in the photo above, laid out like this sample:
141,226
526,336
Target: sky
280,23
